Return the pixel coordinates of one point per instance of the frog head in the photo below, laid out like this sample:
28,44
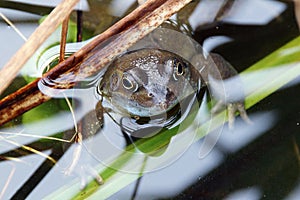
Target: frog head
148,82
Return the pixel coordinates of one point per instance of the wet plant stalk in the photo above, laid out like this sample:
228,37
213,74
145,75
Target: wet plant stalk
90,59
63,41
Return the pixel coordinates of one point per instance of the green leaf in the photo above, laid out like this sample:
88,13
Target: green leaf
43,111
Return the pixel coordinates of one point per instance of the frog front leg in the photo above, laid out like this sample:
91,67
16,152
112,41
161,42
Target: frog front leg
88,126
224,84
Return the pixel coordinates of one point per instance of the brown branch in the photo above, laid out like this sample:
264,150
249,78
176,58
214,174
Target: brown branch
93,57
63,40
13,66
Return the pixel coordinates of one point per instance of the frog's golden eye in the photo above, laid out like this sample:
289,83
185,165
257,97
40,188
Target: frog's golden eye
179,69
129,83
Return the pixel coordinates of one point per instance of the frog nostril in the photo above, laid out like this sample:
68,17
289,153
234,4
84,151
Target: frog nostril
170,94
163,105
150,95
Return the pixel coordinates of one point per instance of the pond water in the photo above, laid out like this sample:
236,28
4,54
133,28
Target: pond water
253,161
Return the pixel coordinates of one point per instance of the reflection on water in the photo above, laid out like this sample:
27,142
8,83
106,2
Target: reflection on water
251,162
254,12
249,193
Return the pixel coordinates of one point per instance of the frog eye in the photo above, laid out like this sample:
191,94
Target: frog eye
178,70
129,83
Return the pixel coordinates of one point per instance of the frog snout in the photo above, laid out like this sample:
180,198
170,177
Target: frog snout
163,105
165,102
162,96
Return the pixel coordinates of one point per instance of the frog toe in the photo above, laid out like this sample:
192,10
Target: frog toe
87,170
239,107
79,167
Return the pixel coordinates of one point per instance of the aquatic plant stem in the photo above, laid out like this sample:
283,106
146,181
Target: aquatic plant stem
63,40
92,58
13,66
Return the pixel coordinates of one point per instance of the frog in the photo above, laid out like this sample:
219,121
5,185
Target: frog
151,85
147,82
150,80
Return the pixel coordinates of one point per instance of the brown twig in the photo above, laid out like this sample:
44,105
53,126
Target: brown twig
63,40
93,57
13,66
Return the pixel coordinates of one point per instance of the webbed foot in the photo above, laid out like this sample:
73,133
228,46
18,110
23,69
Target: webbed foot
83,170
232,109
239,107
87,170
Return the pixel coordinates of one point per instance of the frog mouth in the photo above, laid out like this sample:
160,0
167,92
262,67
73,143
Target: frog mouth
169,101
146,104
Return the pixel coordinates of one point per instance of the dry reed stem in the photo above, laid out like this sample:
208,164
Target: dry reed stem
13,66
63,41
90,59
